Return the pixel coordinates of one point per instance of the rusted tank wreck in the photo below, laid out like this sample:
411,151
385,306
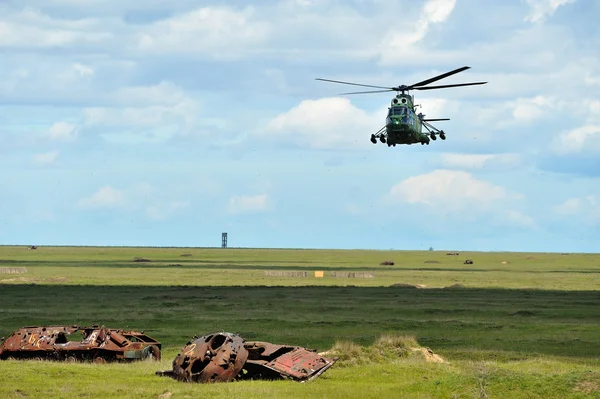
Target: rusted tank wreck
223,357
97,344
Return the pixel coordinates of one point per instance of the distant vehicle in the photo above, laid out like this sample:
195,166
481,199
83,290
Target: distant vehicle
97,344
402,124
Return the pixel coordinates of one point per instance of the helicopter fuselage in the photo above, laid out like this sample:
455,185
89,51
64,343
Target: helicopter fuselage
402,124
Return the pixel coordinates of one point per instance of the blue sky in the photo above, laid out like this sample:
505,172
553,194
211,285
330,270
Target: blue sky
149,123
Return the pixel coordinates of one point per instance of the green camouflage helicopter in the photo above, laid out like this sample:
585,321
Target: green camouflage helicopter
402,124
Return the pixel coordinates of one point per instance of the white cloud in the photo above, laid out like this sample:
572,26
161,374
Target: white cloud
398,43
444,198
105,197
151,114
437,107
220,32
578,204
328,123
540,9
46,158
63,131
585,138
83,70
434,11
158,212
587,207
248,203
437,10
164,93
519,219
29,28
480,161
353,209
569,207
530,109
140,198
448,191
594,111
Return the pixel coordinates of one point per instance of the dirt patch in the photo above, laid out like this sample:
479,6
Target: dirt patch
531,257
523,313
185,255
20,280
454,286
36,280
431,261
429,355
589,384
406,285
58,280
141,260
504,262
387,263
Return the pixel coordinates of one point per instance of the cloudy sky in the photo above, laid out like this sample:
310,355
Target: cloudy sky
148,123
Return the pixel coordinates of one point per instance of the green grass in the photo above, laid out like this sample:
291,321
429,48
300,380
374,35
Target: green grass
522,326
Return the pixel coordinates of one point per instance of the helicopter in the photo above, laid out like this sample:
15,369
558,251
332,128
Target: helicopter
402,124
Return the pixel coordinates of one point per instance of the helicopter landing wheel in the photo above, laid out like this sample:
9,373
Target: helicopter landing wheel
373,139
382,139
442,135
433,136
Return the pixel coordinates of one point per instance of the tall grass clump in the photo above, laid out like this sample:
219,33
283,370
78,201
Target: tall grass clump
386,348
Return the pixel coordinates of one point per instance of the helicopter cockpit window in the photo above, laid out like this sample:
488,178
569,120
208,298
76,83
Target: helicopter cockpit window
399,111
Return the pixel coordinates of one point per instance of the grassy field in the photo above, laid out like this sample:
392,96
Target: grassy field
510,325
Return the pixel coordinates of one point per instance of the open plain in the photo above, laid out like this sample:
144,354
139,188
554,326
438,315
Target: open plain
518,325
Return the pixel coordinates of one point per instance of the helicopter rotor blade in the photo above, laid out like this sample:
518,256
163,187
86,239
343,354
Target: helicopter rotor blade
436,78
354,84
445,86
434,120
365,92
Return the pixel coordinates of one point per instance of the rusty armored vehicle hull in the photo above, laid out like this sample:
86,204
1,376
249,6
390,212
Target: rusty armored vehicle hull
222,357
74,343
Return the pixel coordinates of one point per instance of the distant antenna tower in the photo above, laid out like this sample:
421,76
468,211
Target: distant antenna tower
223,240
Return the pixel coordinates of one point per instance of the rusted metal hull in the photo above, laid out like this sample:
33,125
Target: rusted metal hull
210,358
222,357
266,360
74,343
